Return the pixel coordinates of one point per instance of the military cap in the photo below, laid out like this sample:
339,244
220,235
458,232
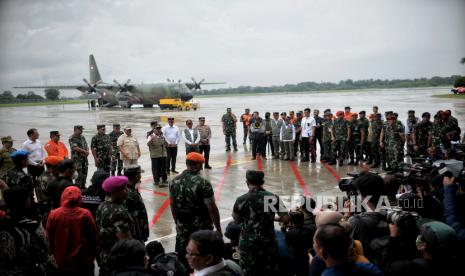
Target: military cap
283,113
53,160
347,107
228,109
7,139
100,126
426,114
55,132
19,154
195,157
362,112
115,184
411,111
255,177
299,113
339,113
153,123
267,113
132,169
116,125
201,118
327,110
170,118
78,127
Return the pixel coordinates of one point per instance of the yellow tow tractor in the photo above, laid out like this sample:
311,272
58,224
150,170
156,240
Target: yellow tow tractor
177,104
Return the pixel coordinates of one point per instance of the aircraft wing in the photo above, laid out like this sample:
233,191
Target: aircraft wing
78,87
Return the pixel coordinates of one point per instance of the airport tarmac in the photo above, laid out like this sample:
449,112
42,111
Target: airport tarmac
285,178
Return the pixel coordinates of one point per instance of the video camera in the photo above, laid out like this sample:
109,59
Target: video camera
346,184
395,215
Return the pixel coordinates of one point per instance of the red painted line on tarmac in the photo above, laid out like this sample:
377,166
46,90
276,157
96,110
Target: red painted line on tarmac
259,163
154,192
160,212
225,170
299,179
330,170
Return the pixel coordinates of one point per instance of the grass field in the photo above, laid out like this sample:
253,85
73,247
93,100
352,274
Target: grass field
450,96
44,103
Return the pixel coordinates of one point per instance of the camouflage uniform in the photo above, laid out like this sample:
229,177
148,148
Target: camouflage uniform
189,193
298,130
257,244
111,218
136,209
365,147
393,144
82,164
438,135
374,138
412,121
102,147
340,134
327,126
354,142
16,177
421,132
42,195
116,161
230,130
7,161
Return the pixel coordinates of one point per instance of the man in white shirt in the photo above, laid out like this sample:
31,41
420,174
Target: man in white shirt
128,147
171,134
191,137
37,154
307,136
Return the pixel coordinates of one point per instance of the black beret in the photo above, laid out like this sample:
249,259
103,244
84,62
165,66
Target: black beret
255,177
116,125
100,126
362,112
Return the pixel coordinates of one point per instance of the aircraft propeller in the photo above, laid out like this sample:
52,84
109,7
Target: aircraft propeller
91,88
123,88
196,85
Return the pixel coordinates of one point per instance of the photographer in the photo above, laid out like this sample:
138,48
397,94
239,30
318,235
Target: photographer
299,241
369,224
451,216
435,245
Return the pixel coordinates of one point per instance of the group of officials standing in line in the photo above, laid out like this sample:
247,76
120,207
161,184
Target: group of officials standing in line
347,135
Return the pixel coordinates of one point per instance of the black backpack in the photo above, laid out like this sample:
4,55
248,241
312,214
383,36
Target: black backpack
167,264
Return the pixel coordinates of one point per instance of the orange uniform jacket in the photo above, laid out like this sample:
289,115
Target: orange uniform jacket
348,116
56,149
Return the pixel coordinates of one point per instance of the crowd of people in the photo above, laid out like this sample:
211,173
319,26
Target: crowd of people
53,223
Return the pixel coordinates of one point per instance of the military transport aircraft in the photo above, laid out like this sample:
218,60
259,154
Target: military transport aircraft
128,94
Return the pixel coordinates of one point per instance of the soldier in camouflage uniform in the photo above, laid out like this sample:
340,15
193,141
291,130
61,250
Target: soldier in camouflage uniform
327,126
16,177
374,136
113,220
79,153
412,121
339,136
49,175
116,161
354,140
437,134
393,140
192,204
420,135
298,131
452,126
135,204
228,122
364,124
257,243
101,149
5,153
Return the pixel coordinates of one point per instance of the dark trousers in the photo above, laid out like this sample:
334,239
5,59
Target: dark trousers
205,150
171,153
258,145
159,169
307,149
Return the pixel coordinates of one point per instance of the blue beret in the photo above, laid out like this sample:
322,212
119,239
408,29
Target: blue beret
114,184
19,154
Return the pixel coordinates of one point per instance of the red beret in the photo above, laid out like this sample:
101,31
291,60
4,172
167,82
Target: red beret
339,113
196,157
53,160
114,184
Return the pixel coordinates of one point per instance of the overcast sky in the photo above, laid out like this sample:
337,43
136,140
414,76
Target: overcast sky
240,42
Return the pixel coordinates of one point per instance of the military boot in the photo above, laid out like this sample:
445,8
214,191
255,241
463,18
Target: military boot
113,172
119,172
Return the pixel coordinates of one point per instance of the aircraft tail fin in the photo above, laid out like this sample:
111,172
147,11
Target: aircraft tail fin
93,71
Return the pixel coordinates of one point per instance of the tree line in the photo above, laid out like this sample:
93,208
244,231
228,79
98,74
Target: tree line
31,96
454,80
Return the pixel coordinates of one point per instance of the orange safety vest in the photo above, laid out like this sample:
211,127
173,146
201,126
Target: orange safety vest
56,149
348,116
246,119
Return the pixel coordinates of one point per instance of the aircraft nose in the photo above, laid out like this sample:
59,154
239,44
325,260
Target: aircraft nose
186,96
